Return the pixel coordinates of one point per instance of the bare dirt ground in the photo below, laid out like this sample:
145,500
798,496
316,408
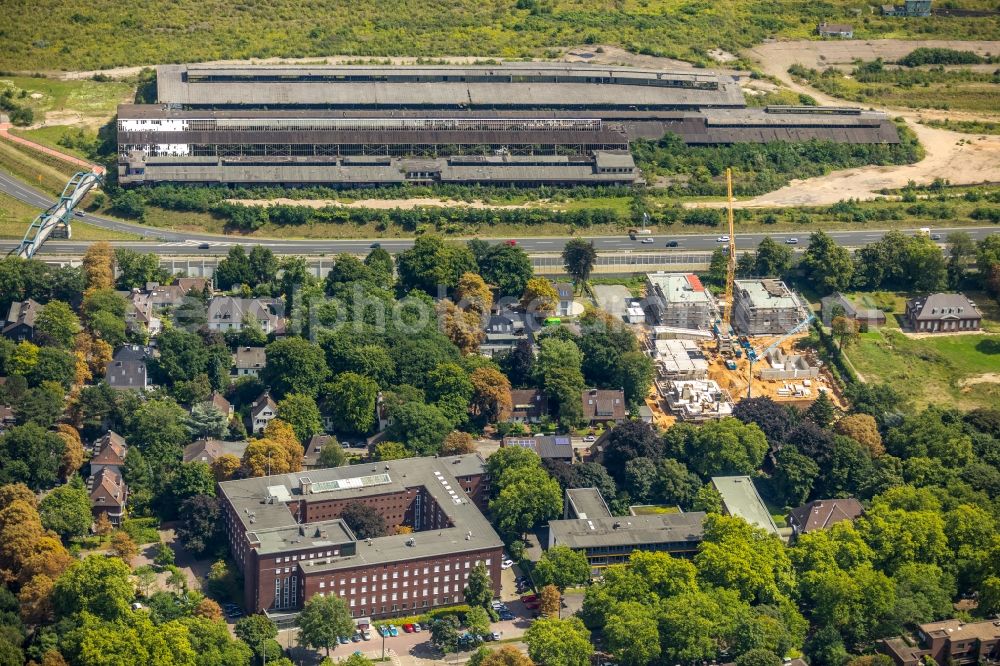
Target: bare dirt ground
378,204
960,158
986,378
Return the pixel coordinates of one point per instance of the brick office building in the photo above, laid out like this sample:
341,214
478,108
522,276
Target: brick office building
287,538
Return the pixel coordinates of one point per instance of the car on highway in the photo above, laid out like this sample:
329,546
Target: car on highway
646,241
374,246
204,246
512,242
673,243
935,237
722,239
79,213
791,241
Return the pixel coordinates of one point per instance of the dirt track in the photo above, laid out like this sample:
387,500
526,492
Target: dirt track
959,158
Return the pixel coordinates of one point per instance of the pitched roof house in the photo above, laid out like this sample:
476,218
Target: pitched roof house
314,448
262,411
108,494
249,361
528,405
938,313
210,450
557,447
823,514
109,452
603,405
228,313
139,315
127,370
20,323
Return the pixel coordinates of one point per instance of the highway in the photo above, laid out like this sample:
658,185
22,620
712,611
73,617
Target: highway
167,242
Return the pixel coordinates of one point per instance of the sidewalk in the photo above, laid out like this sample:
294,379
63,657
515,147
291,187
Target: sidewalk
48,151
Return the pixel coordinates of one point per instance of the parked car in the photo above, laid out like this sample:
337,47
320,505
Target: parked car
529,597
673,243
590,438
367,635
356,638
393,630
507,564
506,615
417,628
408,628
343,640
791,241
722,239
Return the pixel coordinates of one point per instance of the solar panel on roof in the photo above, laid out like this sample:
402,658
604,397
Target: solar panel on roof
562,441
356,482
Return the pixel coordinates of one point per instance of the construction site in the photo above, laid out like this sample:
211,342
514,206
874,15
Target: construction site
711,352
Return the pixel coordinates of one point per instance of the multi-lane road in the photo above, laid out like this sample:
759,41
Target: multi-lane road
167,242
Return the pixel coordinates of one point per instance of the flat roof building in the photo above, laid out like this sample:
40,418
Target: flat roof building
679,300
740,498
608,540
286,536
947,642
679,359
765,307
697,400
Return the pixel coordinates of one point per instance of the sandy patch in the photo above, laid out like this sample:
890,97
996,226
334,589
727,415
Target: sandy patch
985,378
379,204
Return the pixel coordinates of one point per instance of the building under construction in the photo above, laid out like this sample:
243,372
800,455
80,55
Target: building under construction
765,307
516,123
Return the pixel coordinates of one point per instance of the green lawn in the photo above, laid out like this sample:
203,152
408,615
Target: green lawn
104,33
16,216
934,369
80,100
52,135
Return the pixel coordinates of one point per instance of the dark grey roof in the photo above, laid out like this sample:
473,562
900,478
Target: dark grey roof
943,306
586,503
510,84
22,313
556,446
662,528
260,516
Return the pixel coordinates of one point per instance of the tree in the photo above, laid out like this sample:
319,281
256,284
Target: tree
563,567
632,633
256,630
793,477
123,546
822,411
365,521
828,267
846,329
430,264
507,268
758,657
56,325
381,267
578,259
323,619
66,510
98,266
97,585
477,621
727,446
627,441
103,526
31,456
208,421
444,634
390,451
635,376
508,655
555,642
164,556
225,467
200,524
772,258
527,498
862,428
457,443
473,295
350,399
744,559
294,365
491,398
550,601
421,427
234,269
518,364
539,297
961,253
301,413
347,269
332,455
464,329
559,370
479,587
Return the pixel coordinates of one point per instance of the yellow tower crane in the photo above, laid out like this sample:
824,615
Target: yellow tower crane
731,265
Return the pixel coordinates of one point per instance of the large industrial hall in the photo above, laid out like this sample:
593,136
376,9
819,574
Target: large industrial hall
510,124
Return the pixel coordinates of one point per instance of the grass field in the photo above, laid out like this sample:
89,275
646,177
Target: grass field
958,90
78,102
16,216
72,138
962,370
966,126
104,33
42,171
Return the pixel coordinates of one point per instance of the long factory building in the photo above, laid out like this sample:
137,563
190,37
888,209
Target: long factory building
516,123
